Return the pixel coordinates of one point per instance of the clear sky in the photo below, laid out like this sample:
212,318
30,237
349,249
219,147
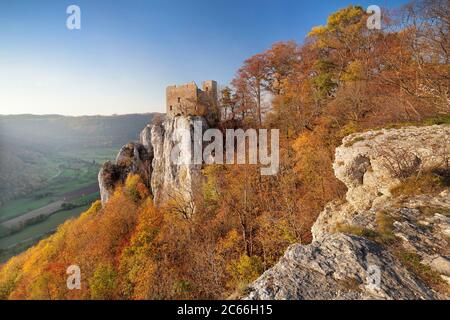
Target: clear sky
128,51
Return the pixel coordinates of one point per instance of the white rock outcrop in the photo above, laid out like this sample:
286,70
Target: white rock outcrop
132,158
371,163
337,265
164,158
175,175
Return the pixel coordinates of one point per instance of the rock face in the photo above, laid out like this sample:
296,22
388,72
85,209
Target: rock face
338,267
371,163
132,158
364,248
174,173
164,160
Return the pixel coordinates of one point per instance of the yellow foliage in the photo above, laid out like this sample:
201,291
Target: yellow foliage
345,17
229,243
245,270
354,71
317,30
136,265
132,181
135,188
103,283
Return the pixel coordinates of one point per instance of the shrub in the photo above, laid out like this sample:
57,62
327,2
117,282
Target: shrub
103,283
382,235
412,262
385,227
357,231
400,163
182,287
135,189
427,183
353,141
245,270
6,288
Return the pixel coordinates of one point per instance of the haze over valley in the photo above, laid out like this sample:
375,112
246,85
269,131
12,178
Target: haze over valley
49,167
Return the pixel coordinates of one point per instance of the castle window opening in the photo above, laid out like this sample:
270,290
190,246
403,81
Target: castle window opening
179,99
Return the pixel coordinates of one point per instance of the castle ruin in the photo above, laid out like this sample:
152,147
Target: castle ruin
189,100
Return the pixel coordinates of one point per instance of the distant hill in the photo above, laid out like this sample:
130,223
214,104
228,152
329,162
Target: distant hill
60,132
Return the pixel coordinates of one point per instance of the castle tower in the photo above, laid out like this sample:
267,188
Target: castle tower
209,88
189,100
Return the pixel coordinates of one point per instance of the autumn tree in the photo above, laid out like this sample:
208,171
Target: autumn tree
249,83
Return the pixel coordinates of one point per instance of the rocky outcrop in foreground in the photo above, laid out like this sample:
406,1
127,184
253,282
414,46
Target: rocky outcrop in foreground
372,163
162,159
338,267
374,245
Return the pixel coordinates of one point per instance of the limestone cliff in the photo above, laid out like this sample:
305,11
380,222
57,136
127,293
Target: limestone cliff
132,158
174,175
163,160
376,244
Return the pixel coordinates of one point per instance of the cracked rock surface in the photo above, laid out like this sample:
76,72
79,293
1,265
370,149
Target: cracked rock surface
374,245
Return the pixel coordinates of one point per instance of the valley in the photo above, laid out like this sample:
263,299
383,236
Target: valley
70,188
49,168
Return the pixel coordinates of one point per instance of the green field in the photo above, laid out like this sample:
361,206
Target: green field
20,241
66,172
99,155
48,225
71,178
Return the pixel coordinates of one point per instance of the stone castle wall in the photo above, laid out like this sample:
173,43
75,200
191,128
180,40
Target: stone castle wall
188,99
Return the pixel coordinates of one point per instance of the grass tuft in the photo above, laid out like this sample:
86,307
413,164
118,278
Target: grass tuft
353,141
427,183
412,262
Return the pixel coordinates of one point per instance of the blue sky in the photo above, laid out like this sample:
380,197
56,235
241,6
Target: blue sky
128,51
